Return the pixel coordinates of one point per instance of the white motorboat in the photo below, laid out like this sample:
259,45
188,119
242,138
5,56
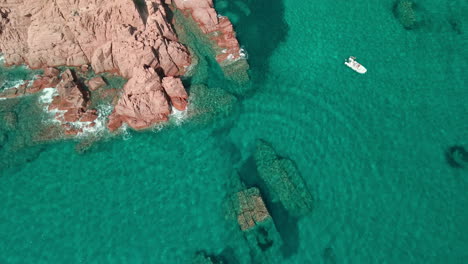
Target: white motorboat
356,66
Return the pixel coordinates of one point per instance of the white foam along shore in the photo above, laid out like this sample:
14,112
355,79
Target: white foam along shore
177,116
46,98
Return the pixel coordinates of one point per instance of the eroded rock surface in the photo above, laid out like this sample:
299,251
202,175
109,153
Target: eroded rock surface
110,35
176,92
143,103
219,28
134,39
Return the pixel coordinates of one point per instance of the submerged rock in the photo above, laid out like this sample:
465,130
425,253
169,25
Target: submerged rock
282,180
251,209
10,120
404,12
256,224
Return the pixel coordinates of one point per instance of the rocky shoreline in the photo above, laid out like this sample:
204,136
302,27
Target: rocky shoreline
135,40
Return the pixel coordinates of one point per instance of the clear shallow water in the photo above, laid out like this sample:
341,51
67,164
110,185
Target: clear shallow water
370,148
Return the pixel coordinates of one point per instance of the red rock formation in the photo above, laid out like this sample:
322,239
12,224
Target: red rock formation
176,92
96,83
48,80
110,35
73,100
220,29
143,103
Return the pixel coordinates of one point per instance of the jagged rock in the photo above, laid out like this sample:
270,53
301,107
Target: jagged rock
43,82
175,90
53,33
220,29
143,103
51,72
96,83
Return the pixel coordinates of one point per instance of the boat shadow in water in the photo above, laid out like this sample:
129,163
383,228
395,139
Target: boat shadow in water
456,157
285,224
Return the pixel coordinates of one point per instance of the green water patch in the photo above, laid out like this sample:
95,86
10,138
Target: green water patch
15,75
24,130
260,27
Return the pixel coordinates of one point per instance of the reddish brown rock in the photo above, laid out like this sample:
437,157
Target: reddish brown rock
96,83
72,97
43,82
219,29
143,103
89,116
114,121
176,92
51,72
84,68
108,35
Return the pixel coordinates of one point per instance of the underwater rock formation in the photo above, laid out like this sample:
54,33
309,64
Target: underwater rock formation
256,223
251,209
403,10
282,180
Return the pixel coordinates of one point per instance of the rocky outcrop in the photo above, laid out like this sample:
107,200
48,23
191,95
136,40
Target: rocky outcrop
72,102
176,92
143,102
134,39
96,83
219,28
47,80
110,35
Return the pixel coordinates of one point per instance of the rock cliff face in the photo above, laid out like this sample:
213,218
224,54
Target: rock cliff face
109,35
217,27
134,39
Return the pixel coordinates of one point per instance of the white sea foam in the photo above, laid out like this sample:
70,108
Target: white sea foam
47,95
104,110
243,53
13,84
177,116
126,135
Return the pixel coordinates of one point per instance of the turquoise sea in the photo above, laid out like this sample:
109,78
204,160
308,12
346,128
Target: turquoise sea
383,154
